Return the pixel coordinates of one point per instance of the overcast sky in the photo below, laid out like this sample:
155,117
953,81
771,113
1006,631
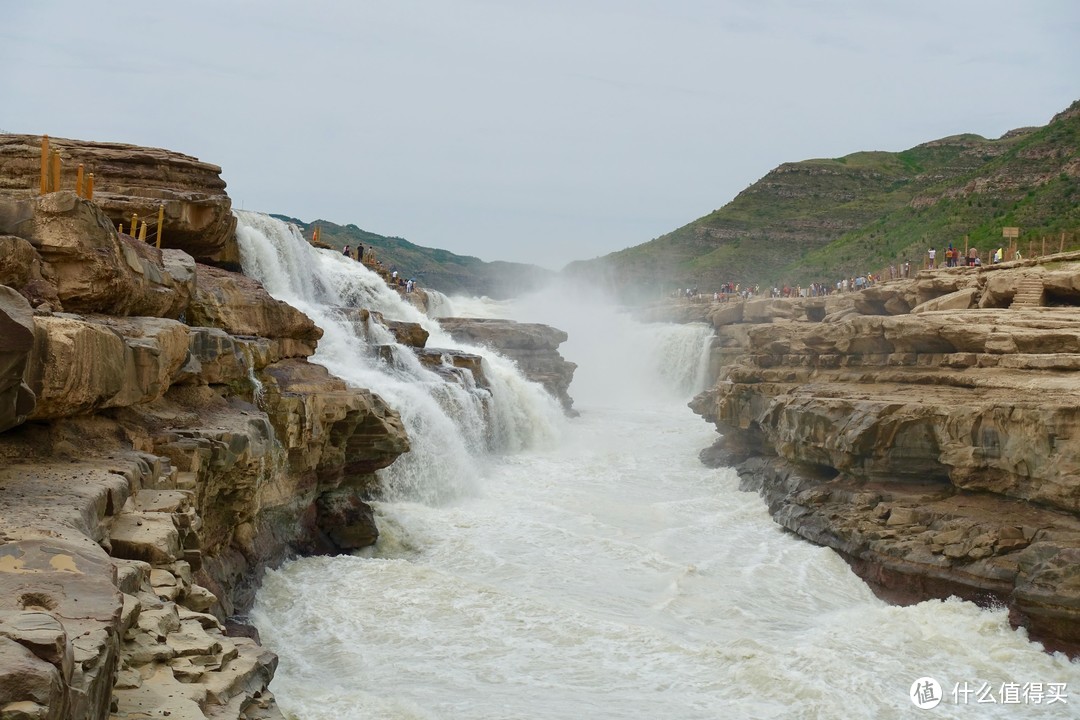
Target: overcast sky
536,131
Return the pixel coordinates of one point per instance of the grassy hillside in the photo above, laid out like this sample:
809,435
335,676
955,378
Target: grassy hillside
433,268
819,220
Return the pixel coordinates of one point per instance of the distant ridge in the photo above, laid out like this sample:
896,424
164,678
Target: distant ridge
819,220
441,270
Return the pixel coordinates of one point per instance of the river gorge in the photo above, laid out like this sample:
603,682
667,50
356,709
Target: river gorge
294,492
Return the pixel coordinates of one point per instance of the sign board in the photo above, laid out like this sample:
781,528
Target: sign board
1010,232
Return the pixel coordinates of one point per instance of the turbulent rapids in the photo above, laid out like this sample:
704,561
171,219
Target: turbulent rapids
533,567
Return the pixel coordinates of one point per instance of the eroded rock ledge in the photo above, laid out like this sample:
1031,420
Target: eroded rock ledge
929,430
534,347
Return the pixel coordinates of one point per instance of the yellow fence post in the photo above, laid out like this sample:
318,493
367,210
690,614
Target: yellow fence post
90,187
55,181
44,164
79,180
142,232
134,224
160,223
120,228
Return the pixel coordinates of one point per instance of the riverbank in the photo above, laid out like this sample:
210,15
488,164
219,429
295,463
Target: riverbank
926,429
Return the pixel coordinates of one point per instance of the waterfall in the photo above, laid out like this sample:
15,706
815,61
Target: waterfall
621,362
438,305
451,425
679,355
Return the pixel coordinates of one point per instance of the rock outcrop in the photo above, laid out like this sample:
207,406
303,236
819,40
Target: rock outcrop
925,429
534,347
129,179
163,440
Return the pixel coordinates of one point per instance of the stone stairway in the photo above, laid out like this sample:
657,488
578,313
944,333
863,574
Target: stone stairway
1029,293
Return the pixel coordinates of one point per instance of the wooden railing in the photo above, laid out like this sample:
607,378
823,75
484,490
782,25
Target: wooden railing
51,165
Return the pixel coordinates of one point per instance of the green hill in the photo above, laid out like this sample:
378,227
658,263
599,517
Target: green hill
439,269
820,220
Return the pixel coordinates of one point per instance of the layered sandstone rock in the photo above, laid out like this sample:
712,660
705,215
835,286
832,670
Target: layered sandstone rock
336,437
534,347
90,267
240,306
926,429
131,179
80,365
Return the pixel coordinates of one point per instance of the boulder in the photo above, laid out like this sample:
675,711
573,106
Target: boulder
328,427
22,269
346,521
29,685
727,314
408,333
455,366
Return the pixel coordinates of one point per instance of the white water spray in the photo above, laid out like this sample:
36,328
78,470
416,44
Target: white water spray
451,426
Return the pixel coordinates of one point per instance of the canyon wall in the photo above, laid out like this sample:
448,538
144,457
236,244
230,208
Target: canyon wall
928,430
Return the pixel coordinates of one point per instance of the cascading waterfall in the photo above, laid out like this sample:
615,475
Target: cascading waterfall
451,426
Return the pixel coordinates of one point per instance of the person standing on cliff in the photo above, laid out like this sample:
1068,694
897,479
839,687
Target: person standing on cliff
345,251
933,254
360,253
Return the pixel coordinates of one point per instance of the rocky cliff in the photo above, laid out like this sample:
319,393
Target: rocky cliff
926,429
163,439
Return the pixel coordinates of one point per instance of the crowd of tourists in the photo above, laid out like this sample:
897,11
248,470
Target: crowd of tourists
954,257
393,278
